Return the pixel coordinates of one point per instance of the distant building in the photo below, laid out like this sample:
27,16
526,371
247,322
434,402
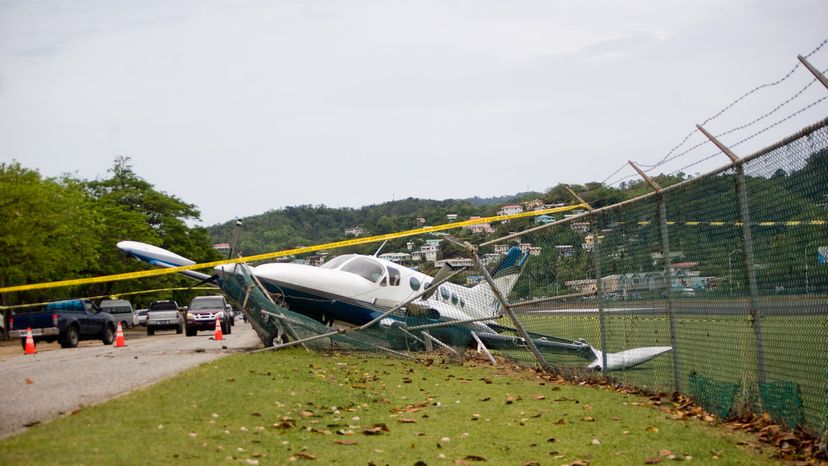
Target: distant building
534,204
223,248
356,231
580,227
451,217
510,210
455,262
501,248
316,260
565,250
474,279
479,227
398,257
427,252
544,219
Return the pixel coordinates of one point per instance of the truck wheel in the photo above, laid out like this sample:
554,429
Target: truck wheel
180,329
150,331
108,336
191,332
70,338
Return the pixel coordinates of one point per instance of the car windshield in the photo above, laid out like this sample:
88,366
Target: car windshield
206,303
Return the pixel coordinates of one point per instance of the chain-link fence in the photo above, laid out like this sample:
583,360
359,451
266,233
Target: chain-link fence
729,269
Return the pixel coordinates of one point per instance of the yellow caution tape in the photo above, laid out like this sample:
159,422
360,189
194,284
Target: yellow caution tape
718,223
289,252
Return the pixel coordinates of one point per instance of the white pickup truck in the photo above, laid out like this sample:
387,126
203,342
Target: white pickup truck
164,315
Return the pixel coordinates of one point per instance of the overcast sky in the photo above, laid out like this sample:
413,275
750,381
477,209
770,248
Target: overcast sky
244,106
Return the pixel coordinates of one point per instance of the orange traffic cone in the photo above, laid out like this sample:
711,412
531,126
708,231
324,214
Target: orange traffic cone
119,337
218,335
30,346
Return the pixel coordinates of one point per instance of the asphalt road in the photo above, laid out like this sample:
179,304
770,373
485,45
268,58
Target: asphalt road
55,381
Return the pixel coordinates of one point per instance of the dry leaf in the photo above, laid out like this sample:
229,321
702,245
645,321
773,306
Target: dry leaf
305,455
345,442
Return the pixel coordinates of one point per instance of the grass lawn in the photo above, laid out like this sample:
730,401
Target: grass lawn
292,406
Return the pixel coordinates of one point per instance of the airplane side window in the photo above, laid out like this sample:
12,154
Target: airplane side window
454,299
444,293
414,283
393,276
365,268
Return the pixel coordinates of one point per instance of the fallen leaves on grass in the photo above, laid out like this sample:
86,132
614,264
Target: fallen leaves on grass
376,429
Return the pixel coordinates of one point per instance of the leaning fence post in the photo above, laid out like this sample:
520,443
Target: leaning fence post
668,271
747,239
508,310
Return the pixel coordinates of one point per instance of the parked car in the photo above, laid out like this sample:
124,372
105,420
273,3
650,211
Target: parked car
202,314
164,315
141,317
121,310
66,322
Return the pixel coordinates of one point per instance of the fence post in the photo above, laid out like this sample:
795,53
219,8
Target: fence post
599,296
668,271
747,239
599,285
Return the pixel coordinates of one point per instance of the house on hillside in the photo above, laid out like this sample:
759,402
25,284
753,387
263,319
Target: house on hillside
510,210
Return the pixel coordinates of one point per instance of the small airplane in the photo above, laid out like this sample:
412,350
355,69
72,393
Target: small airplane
353,290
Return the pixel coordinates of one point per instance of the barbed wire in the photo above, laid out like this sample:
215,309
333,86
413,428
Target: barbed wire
614,173
812,104
670,156
774,110
817,48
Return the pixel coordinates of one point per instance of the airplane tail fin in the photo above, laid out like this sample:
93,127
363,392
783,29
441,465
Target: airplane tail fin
505,275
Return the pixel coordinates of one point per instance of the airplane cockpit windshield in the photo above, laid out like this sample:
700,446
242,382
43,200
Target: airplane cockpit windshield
337,261
366,268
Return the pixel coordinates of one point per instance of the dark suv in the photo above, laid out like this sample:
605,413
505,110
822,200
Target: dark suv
202,313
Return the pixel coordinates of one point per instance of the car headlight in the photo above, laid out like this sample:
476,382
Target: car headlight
190,316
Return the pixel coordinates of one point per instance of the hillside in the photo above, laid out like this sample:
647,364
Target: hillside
306,225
